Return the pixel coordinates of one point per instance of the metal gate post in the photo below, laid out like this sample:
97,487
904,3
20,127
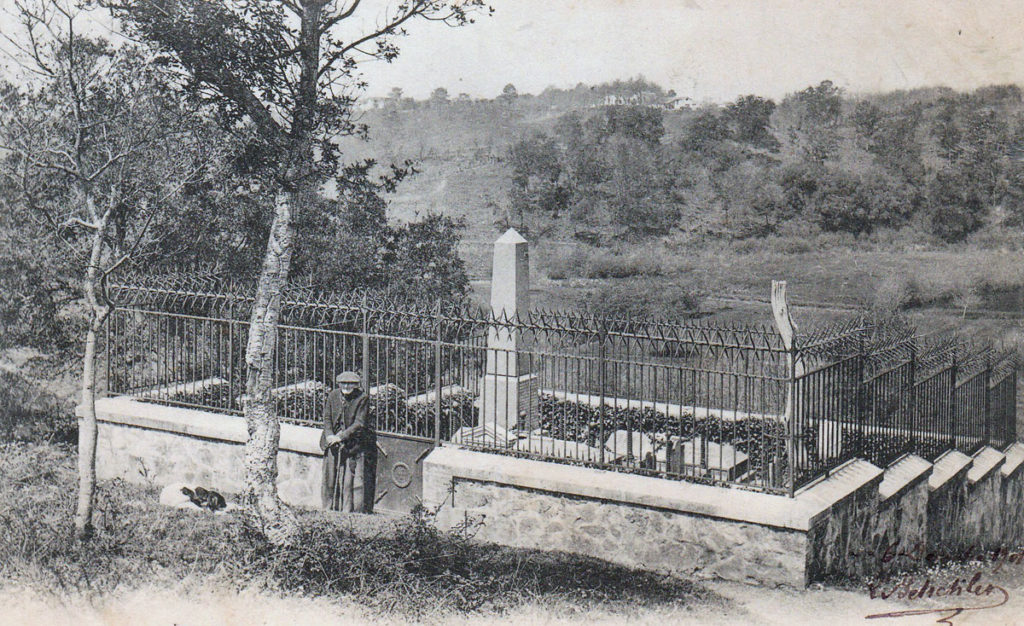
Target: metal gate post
861,393
601,358
107,350
791,422
952,401
437,375
912,402
365,365
988,412
231,351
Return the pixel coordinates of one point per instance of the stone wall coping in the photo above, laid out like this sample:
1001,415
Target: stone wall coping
948,466
985,461
904,474
1014,459
799,513
197,423
843,482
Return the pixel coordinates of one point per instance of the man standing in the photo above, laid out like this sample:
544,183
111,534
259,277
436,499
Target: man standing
350,448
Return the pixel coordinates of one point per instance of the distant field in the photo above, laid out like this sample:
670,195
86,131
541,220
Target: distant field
956,285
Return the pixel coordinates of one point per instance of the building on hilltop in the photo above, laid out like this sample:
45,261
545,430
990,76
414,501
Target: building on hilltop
649,99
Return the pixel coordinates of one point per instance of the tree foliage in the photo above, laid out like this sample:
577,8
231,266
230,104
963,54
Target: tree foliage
946,161
290,70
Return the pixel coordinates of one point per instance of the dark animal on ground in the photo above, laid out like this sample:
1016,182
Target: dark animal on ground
205,498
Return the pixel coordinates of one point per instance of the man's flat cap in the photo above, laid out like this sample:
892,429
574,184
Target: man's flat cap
347,377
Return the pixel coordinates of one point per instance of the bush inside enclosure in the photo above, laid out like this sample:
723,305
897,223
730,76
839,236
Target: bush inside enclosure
392,413
304,406
405,566
214,396
882,449
763,440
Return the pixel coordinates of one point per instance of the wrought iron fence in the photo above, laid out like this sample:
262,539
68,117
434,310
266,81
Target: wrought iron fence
699,402
883,399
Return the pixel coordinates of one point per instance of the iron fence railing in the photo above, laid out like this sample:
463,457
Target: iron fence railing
953,396
699,402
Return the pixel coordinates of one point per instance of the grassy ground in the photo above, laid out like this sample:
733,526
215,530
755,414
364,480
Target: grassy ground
152,565
401,568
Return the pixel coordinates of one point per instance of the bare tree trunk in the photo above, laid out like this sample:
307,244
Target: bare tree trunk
87,434
277,522
87,429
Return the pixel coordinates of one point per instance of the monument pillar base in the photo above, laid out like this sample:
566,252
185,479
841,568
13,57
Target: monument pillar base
510,401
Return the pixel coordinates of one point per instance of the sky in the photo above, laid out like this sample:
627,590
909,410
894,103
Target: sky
715,50
709,50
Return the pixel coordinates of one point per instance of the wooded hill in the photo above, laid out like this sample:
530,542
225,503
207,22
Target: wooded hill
940,162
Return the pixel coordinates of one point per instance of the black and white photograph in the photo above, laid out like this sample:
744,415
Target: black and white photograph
511,312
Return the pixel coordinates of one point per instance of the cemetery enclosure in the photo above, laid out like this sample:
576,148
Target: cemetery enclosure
702,403
733,455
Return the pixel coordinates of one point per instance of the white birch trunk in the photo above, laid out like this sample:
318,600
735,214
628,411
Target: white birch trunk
87,428
277,522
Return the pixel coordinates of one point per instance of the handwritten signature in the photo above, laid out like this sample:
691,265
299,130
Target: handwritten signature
913,589
918,553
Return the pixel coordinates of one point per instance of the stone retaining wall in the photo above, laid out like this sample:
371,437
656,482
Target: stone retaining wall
155,445
900,517
632,535
982,515
691,530
854,522
840,545
947,497
859,521
1013,495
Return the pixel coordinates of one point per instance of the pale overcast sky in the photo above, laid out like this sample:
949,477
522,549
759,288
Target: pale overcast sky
716,49
708,49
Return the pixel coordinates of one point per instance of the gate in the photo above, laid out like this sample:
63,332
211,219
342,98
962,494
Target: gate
420,390
400,471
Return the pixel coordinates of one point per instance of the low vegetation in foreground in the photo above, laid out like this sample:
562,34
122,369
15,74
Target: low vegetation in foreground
394,565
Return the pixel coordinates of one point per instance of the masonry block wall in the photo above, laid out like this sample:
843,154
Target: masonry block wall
644,537
947,498
860,520
982,514
839,543
155,445
1012,495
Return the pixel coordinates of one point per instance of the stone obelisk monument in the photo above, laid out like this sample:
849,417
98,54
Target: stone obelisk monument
509,391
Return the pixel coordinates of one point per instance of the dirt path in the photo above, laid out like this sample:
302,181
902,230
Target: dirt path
739,604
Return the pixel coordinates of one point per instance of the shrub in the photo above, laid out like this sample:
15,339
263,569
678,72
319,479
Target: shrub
882,449
457,410
567,265
602,264
30,413
302,405
573,421
647,298
610,265
894,293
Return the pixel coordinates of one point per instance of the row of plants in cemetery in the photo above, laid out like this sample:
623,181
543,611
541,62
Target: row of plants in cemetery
763,440
303,404
392,412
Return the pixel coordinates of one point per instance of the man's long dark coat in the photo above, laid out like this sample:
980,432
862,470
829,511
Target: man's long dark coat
349,469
